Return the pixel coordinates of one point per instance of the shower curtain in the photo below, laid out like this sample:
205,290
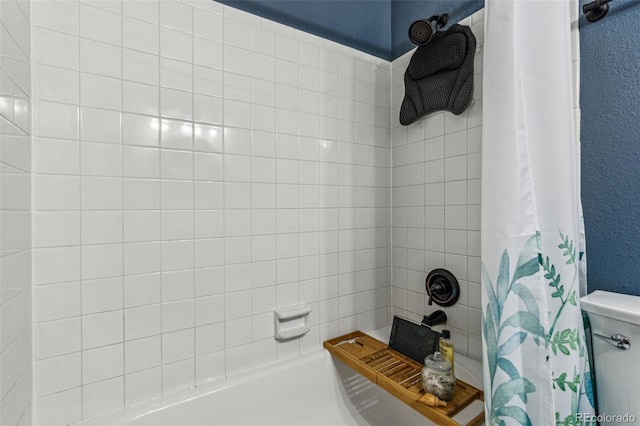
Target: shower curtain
536,369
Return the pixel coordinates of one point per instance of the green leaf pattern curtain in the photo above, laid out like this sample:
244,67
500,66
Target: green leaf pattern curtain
536,367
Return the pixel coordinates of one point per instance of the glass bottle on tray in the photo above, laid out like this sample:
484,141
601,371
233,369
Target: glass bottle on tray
437,377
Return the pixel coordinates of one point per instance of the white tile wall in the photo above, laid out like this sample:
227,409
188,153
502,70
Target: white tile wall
436,171
196,167
15,221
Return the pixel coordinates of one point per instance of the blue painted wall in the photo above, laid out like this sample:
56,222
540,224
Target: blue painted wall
378,27
610,133
362,24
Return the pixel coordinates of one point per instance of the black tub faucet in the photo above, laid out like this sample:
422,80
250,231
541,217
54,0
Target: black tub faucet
435,318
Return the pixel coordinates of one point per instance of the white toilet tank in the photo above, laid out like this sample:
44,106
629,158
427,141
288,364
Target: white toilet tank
617,370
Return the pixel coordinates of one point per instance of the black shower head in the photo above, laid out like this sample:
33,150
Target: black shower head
421,31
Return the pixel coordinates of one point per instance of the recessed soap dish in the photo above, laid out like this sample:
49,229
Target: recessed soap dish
291,322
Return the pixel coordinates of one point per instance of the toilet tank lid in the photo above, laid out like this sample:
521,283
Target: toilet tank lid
622,307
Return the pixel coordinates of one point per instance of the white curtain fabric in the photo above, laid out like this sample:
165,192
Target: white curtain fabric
536,369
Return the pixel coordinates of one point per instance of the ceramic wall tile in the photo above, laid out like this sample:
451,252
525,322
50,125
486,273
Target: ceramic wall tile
439,220
61,371
198,168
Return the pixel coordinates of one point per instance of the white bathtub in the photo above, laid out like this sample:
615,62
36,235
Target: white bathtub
314,389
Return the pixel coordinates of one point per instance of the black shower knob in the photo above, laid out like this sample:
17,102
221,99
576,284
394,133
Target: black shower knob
442,287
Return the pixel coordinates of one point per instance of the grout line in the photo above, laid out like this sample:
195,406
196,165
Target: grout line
122,208
250,178
193,201
223,185
160,207
80,179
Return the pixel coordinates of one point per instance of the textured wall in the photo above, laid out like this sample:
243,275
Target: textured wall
196,167
610,133
15,218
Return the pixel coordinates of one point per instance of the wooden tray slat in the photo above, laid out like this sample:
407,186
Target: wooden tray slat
400,376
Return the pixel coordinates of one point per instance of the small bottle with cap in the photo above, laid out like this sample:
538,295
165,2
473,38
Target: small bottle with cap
446,347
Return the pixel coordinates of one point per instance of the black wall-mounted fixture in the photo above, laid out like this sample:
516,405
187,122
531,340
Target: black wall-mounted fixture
442,287
595,10
435,318
421,31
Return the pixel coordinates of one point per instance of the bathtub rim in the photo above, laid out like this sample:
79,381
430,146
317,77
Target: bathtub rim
133,412
208,387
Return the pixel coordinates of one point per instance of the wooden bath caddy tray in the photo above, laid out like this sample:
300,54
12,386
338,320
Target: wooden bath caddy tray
400,376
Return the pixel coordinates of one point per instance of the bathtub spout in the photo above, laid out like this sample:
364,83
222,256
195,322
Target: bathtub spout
436,318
